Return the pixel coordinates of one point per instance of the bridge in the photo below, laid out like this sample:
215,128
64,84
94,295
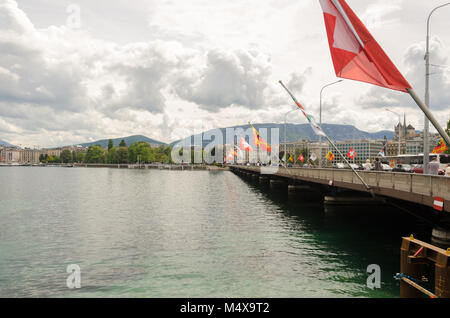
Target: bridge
413,188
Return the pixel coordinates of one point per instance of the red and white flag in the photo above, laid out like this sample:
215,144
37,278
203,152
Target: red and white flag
355,53
301,158
438,203
245,146
351,153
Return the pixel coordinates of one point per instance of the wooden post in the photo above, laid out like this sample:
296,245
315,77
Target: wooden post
413,270
442,277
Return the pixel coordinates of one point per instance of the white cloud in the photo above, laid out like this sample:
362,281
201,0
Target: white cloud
237,78
158,67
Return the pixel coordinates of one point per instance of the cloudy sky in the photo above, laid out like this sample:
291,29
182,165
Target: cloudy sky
79,71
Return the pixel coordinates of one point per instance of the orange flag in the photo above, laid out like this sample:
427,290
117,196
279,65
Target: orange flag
257,140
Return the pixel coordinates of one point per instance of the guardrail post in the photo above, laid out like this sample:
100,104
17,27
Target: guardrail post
413,270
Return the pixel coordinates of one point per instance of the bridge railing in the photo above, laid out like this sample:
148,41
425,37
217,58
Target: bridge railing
420,184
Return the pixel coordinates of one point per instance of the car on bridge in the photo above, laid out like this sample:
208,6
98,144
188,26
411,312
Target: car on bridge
419,169
401,167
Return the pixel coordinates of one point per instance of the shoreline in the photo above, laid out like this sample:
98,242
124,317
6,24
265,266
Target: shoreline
127,166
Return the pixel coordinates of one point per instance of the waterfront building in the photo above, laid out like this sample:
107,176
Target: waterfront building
392,147
29,155
56,152
9,155
365,149
294,148
414,145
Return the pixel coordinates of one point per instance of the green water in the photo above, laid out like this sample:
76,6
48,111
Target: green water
151,233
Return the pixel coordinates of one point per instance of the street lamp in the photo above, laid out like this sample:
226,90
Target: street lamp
426,141
320,119
285,120
399,129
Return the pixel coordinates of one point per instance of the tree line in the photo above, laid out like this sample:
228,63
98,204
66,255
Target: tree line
138,152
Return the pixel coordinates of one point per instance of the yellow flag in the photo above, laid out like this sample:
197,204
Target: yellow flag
330,156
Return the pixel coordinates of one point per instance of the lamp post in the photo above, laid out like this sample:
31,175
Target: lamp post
426,141
320,119
399,130
285,123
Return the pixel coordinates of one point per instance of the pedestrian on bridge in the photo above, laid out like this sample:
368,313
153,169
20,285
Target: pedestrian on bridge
433,167
378,166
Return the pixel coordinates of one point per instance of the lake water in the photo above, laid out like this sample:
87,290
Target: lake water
159,233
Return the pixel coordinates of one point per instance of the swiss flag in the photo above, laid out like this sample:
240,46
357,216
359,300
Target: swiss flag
301,158
351,153
355,53
245,146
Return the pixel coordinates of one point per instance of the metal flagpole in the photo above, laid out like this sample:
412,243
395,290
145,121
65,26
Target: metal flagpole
334,146
430,116
426,140
348,163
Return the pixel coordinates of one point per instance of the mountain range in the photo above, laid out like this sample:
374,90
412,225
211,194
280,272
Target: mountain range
4,143
128,140
294,132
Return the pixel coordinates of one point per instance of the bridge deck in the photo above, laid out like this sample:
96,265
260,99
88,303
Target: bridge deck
416,188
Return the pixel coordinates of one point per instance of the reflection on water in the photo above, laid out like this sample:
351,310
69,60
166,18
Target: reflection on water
152,233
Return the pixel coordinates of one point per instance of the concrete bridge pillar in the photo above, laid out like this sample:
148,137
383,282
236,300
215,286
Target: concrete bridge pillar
441,236
359,201
278,185
255,178
264,181
305,192
299,189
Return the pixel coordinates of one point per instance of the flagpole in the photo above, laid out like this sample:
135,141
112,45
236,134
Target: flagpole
334,146
431,117
348,163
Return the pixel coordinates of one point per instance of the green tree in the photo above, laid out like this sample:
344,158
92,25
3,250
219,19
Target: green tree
122,155
66,156
110,144
53,159
111,157
140,152
123,143
94,154
80,157
74,156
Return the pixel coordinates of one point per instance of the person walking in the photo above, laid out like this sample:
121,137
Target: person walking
367,166
433,167
378,166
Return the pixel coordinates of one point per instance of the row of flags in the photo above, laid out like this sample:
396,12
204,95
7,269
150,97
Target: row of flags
300,158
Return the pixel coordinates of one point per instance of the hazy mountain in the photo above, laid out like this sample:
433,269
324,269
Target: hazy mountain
4,143
295,132
128,140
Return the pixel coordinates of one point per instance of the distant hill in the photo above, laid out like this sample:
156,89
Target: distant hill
128,140
295,132
4,143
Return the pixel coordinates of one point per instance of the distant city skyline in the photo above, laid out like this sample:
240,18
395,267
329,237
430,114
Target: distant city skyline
163,69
